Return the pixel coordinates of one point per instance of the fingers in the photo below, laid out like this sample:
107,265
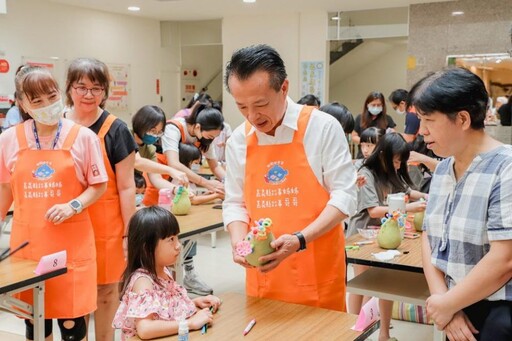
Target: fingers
58,213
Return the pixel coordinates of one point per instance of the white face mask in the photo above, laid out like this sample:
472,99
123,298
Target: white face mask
400,112
49,115
374,110
138,199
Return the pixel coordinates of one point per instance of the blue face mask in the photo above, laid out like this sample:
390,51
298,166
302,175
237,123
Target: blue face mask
149,139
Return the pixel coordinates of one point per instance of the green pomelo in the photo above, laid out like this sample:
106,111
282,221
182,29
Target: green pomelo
261,248
389,235
182,206
418,220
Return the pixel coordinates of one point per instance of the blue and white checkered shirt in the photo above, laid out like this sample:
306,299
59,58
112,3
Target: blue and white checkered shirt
463,217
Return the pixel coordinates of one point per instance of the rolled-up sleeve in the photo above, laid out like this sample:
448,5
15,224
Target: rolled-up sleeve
234,208
339,175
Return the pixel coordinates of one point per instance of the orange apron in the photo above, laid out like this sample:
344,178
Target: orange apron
281,185
107,221
151,193
180,126
74,293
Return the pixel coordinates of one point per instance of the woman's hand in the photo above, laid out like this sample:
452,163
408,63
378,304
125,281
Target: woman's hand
415,207
58,213
215,186
180,176
200,318
210,302
460,328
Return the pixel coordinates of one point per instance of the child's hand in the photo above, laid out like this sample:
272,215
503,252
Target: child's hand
207,302
360,180
202,317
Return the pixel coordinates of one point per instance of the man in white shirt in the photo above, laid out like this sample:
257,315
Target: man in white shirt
292,164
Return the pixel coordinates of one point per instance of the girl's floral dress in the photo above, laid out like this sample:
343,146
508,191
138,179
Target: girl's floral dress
168,302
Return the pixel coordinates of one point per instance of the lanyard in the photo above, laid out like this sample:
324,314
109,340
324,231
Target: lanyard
36,136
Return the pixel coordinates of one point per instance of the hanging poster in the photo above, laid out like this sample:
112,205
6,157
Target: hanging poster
117,102
312,79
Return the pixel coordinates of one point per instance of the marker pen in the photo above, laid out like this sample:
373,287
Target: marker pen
249,326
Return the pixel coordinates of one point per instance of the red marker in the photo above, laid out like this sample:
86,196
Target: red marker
249,326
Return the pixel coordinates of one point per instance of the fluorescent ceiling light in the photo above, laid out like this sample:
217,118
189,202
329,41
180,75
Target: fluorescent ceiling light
249,1
456,13
335,18
134,8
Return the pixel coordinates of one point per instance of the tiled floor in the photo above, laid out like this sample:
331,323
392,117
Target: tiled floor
216,267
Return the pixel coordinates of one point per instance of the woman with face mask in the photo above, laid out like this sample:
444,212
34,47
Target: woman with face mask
373,115
148,126
87,90
53,171
200,128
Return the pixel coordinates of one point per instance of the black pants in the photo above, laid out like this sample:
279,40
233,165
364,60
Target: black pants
493,320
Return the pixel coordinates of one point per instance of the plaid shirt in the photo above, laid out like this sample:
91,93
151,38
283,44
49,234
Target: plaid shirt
462,218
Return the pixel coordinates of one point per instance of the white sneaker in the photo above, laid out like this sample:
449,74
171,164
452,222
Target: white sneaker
195,285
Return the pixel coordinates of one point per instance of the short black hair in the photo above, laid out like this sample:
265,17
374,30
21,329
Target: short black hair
140,182
398,96
341,114
310,100
248,60
449,92
146,118
188,153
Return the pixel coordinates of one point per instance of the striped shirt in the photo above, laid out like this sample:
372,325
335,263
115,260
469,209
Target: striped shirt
463,217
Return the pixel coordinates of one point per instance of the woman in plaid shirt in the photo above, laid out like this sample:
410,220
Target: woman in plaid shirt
467,247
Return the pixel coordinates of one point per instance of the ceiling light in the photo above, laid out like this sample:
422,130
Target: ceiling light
134,8
457,13
249,1
335,18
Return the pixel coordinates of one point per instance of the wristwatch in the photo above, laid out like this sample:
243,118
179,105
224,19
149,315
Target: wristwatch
76,205
302,241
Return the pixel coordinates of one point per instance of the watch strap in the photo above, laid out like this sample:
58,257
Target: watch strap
302,241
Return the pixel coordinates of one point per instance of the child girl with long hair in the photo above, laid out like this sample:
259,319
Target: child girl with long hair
152,303
369,138
386,173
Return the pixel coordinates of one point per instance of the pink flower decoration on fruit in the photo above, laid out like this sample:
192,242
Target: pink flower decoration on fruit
243,248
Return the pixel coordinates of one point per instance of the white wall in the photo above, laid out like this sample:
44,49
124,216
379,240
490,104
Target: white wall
296,36
41,29
384,73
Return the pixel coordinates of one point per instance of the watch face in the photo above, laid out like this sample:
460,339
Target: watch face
75,204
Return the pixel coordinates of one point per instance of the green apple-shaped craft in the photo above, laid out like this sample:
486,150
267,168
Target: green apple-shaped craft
389,236
181,202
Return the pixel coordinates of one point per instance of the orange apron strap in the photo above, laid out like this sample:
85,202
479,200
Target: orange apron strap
106,126
70,139
302,123
178,125
22,138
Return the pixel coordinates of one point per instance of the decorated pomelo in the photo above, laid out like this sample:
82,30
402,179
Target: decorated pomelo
257,242
389,236
181,202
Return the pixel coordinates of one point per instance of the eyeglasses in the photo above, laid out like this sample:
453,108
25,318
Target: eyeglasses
82,90
155,133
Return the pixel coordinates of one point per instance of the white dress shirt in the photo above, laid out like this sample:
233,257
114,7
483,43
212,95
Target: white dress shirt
327,153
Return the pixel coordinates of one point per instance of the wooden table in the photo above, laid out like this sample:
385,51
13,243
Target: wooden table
200,220
276,320
400,279
18,275
409,259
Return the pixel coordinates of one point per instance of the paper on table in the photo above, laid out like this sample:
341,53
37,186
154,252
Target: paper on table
52,262
369,313
386,255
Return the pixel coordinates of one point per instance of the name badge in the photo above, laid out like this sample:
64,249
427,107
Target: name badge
52,262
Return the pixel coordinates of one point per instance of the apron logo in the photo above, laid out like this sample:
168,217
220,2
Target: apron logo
276,174
43,171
